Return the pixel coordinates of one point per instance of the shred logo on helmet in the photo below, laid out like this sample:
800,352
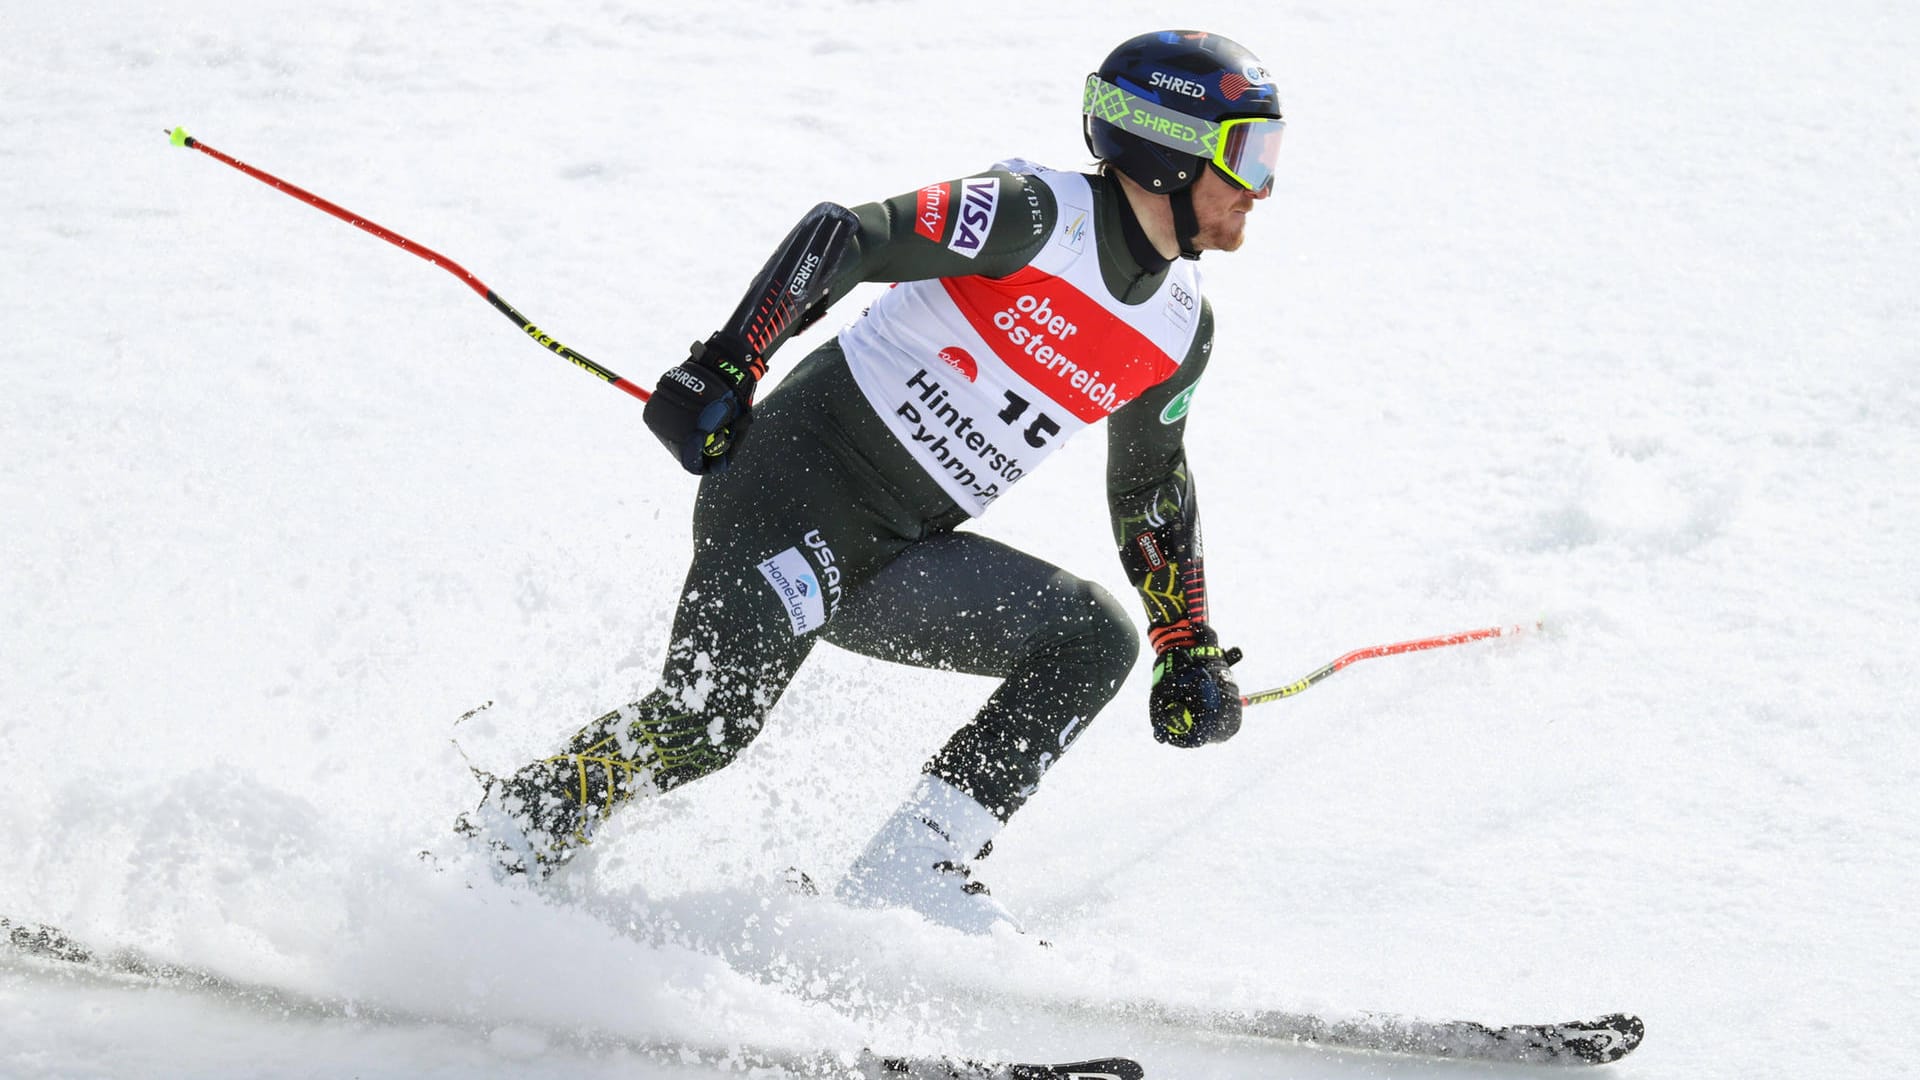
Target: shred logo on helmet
1177,84
1143,117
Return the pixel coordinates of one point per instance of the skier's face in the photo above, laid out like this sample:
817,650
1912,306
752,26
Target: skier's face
1222,208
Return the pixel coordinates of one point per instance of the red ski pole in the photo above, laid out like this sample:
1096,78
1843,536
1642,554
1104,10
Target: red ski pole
1383,650
181,138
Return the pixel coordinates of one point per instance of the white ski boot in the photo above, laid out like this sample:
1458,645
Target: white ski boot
918,860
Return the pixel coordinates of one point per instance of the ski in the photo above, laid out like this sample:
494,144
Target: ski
49,943
1598,1041
951,1069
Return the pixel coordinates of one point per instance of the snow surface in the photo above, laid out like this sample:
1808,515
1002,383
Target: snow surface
1603,313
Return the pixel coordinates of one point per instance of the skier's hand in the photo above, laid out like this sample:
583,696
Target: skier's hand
701,409
1195,700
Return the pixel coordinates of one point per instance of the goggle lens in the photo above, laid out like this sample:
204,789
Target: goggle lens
1248,150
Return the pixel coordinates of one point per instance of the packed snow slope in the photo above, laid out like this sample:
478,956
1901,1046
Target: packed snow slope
1602,315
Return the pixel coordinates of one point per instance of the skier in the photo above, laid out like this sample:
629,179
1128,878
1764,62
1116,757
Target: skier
1029,304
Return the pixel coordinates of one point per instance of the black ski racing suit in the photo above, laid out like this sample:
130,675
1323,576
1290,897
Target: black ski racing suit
821,474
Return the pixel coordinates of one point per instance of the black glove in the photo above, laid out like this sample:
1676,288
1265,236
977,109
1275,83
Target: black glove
1195,700
701,409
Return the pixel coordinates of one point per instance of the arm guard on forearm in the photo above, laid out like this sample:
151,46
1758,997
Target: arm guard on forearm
791,290
1158,530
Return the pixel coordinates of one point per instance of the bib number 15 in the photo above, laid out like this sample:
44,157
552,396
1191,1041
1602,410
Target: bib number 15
1037,433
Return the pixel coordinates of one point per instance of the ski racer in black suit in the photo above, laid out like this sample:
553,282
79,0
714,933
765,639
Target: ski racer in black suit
1028,305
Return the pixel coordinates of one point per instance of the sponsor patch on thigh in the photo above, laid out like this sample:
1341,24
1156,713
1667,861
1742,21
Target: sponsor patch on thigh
791,577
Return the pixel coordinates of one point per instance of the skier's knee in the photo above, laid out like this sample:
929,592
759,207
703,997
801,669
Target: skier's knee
1108,642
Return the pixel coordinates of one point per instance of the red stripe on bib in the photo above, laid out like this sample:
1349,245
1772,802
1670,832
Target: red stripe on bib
1061,341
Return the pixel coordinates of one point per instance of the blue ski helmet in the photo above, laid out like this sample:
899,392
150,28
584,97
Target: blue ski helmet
1165,105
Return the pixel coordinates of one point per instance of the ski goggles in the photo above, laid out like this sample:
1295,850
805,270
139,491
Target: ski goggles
1244,150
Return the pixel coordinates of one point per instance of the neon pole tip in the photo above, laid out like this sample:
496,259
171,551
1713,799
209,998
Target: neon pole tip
178,136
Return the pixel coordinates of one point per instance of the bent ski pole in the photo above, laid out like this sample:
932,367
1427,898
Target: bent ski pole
1383,650
180,137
